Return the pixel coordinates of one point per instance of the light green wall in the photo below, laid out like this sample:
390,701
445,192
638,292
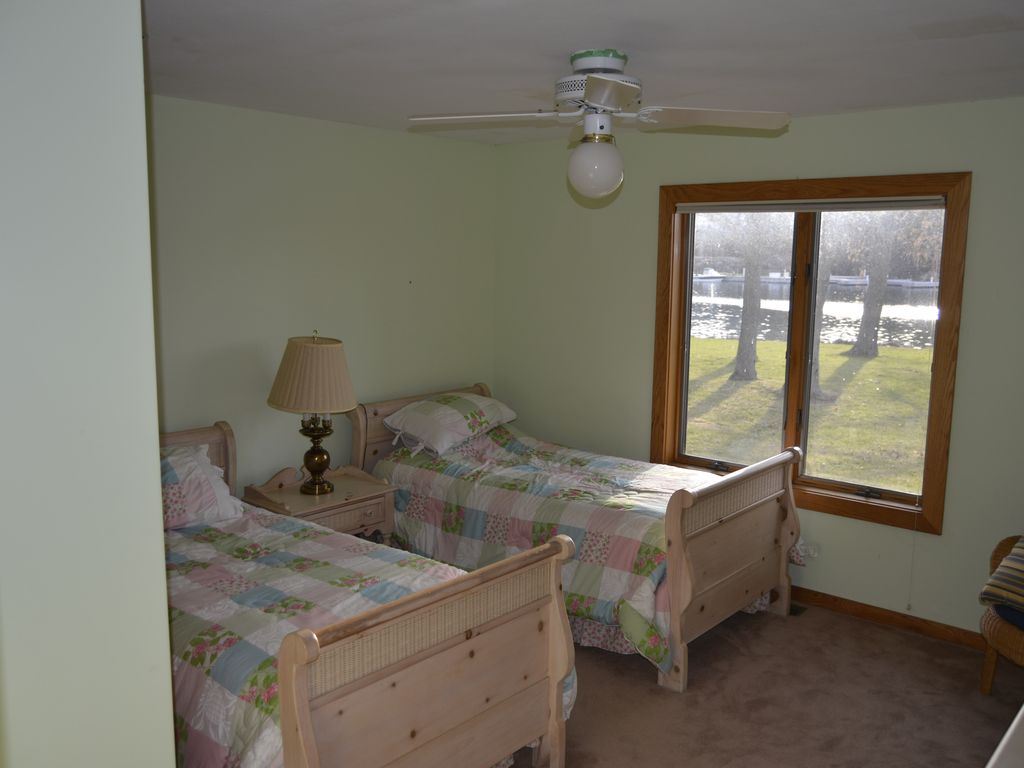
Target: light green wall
441,262
84,672
575,298
268,226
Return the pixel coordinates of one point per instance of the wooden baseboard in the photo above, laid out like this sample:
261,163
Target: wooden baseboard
890,618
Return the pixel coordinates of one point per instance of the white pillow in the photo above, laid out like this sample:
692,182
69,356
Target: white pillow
194,490
441,422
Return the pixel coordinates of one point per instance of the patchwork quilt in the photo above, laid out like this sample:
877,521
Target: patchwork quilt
503,492
236,589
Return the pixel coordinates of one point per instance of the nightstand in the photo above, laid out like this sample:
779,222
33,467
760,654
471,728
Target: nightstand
360,504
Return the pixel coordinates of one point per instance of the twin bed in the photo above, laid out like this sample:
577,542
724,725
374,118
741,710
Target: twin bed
663,553
298,646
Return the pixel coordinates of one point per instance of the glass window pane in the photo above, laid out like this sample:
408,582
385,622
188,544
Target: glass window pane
876,302
738,333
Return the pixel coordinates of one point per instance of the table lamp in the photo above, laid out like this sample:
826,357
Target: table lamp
313,380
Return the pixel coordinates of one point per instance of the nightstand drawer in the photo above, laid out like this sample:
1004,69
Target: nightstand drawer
351,518
360,504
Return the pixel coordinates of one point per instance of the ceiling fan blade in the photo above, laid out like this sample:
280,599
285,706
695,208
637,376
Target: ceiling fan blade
664,118
487,117
610,94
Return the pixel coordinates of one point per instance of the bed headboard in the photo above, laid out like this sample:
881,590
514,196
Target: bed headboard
221,442
371,440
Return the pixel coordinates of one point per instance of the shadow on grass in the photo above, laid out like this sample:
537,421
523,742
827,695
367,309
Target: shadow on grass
757,437
712,375
714,398
729,388
837,380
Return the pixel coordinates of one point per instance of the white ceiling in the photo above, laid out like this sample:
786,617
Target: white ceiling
374,62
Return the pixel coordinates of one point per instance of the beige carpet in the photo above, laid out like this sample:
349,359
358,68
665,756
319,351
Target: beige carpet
818,689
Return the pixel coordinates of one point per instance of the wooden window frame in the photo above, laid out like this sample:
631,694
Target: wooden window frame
669,343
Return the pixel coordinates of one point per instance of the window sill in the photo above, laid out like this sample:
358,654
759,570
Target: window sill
908,516
833,502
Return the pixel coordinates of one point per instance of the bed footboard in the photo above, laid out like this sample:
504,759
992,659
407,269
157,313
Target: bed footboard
463,673
727,544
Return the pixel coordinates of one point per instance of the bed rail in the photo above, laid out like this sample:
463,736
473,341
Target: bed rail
728,543
494,645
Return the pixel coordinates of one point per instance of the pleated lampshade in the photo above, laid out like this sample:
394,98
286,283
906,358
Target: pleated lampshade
313,377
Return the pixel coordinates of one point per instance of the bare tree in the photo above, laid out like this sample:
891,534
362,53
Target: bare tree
767,243
754,242
750,319
878,260
902,241
880,244
820,295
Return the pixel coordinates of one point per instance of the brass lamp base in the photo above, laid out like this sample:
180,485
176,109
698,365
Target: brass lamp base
317,460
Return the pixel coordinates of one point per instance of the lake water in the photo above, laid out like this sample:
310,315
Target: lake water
908,315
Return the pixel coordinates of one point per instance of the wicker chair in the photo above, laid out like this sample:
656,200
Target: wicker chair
1001,637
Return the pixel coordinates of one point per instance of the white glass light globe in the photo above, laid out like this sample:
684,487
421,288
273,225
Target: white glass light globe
595,169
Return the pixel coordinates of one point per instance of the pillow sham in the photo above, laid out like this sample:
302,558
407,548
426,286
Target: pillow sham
193,488
441,422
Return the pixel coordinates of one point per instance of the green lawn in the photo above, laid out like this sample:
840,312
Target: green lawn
871,433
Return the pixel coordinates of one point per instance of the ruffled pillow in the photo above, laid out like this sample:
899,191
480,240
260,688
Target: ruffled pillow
194,490
441,422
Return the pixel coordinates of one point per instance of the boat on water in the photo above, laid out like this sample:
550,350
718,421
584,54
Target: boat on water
709,275
906,283
771,277
896,282
848,279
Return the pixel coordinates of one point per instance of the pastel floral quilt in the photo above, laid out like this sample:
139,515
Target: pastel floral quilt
236,589
503,492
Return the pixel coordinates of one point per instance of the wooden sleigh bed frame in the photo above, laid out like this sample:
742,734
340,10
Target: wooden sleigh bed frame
727,543
493,645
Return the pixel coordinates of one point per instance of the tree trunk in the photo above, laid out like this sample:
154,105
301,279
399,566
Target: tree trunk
750,324
820,294
874,297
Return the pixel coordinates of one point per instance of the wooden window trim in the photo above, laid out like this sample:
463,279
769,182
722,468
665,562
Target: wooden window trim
955,188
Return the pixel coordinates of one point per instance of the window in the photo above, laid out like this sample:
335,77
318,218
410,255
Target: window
819,313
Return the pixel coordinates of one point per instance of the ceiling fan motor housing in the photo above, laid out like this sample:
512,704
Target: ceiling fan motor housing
607,62
598,60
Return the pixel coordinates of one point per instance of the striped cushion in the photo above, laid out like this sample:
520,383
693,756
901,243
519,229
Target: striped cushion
1006,584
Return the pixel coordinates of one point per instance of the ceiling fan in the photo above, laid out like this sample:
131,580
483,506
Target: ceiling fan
598,90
